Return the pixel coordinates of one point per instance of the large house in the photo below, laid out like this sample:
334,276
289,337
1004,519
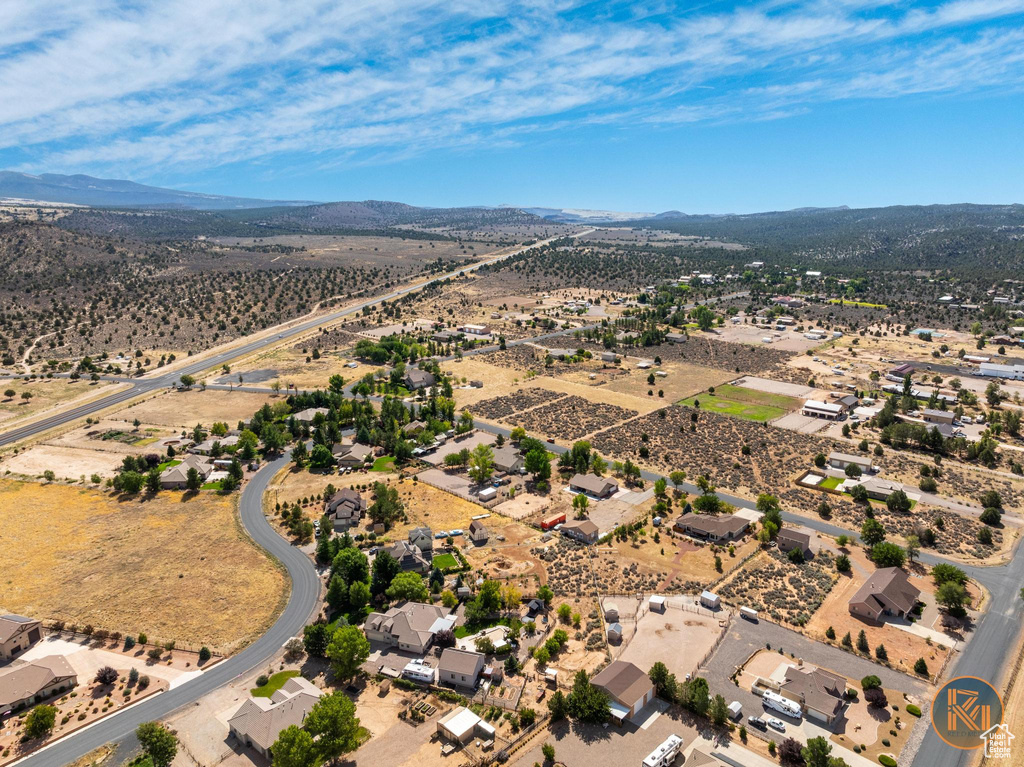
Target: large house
418,379
508,460
410,627
176,477
208,446
409,557
17,634
583,530
259,721
819,692
460,668
628,687
839,460
345,508
423,539
34,682
887,592
724,527
817,409
352,456
593,485
309,414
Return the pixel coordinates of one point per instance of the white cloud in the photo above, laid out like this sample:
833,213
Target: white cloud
100,86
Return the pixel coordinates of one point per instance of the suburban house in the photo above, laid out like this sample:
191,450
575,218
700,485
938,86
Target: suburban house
508,460
880,489
841,460
817,409
345,508
259,721
477,532
310,413
354,455
34,682
418,379
887,592
409,557
848,402
460,668
583,530
423,539
208,446
413,427
474,330
17,634
789,539
725,527
628,687
593,485
820,692
937,416
410,627
461,725
176,477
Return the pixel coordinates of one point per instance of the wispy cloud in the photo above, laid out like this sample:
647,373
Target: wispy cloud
147,87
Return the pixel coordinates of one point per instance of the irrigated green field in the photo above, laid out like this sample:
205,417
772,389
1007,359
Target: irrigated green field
743,403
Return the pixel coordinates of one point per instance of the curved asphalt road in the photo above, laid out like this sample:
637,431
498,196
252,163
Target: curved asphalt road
305,595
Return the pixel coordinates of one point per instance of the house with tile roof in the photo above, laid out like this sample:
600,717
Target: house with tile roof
887,592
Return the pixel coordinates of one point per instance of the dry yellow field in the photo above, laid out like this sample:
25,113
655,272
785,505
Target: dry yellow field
177,570
290,367
183,410
46,393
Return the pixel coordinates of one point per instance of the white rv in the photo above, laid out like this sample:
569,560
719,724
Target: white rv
665,754
783,705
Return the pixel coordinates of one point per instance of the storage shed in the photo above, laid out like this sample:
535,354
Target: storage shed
657,604
710,601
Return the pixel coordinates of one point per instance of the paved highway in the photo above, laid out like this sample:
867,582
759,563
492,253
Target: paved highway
303,600
161,381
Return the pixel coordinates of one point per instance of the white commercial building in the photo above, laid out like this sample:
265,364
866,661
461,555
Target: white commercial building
991,370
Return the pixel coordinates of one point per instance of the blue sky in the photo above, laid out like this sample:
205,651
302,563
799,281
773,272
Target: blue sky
701,107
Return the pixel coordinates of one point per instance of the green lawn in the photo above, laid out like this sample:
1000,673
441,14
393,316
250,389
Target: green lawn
830,483
212,485
384,463
167,464
864,304
444,561
754,397
735,408
275,683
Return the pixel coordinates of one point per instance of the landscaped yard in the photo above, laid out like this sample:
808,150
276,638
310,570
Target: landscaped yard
384,463
830,483
274,683
444,561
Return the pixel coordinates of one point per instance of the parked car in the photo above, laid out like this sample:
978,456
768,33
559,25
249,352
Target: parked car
758,722
455,532
776,724
441,534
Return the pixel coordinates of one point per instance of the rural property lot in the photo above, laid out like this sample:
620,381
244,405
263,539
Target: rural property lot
183,410
46,393
176,569
797,391
744,403
66,462
661,636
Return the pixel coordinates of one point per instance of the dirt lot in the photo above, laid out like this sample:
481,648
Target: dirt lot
183,410
46,393
66,462
84,556
787,593
683,379
659,637
289,366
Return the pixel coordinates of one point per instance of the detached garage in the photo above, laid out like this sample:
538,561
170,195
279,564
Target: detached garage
628,687
462,725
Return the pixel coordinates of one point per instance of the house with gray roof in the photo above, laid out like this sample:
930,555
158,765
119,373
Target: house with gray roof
345,508
410,626
460,668
819,692
409,557
508,459
418,379
259,721
887,592
176,477
423,539
352,456
712,527
31,683
594,486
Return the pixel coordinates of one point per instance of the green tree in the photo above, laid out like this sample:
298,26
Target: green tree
193,481
886,554
385,568
897,502
294,747
872,532
817,754
157,742
862,642
300,454
664,681
409,587
334,726
943,573
587,702
315,638
719,711
39,721
558,706
538,464
953,596
481,464
387,507
153,481
347,651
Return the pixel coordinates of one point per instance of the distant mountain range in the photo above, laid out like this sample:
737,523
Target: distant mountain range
112,193
613,217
